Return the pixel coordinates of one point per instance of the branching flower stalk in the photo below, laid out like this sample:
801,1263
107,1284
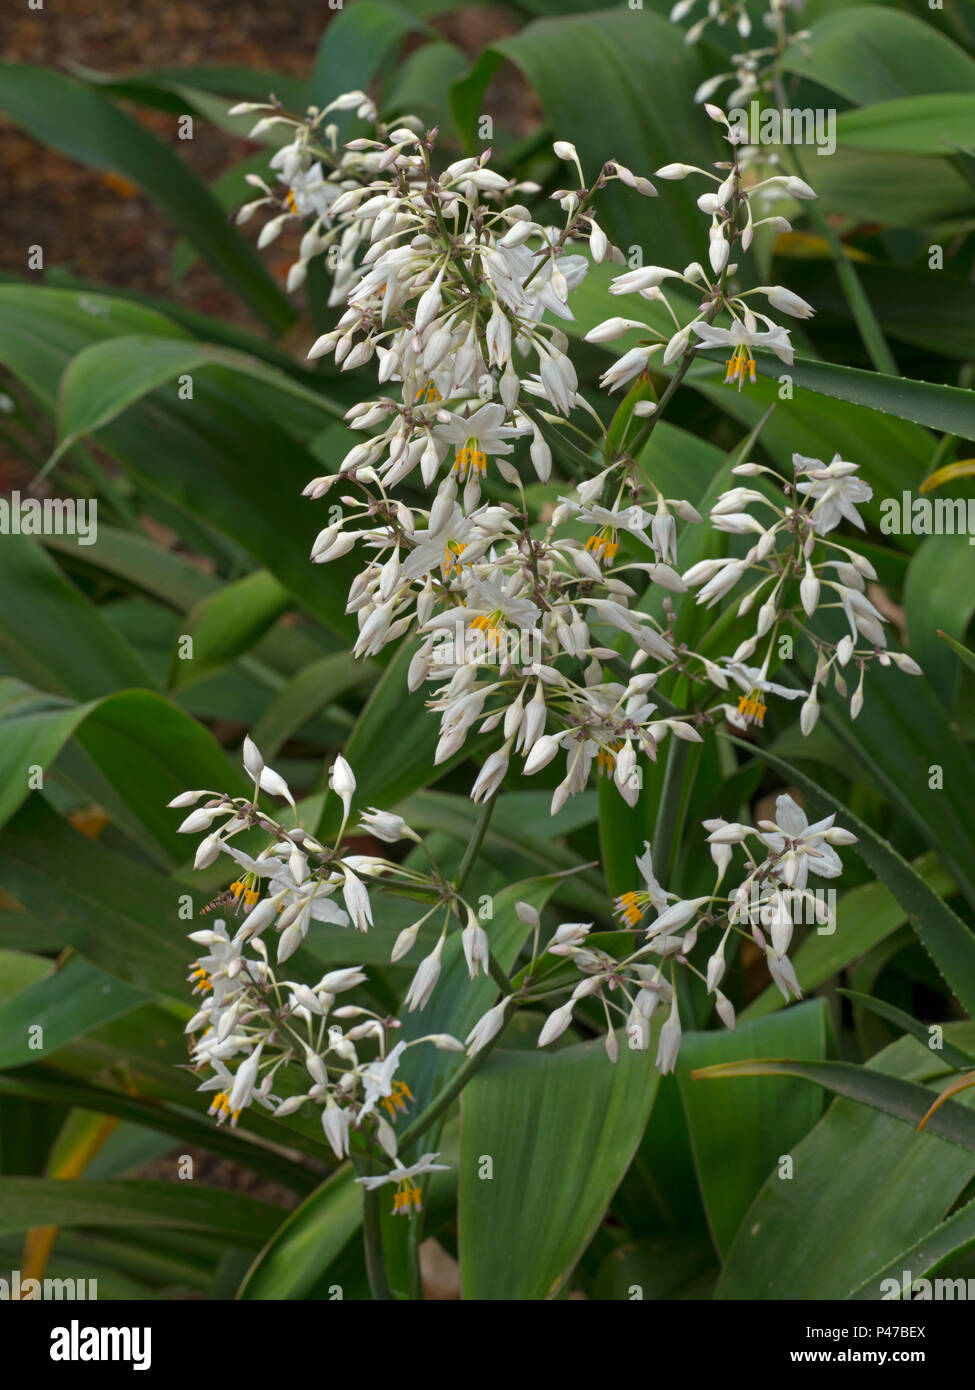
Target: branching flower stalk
545,632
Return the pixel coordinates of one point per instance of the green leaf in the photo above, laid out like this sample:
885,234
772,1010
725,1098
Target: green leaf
190,452
148,1114
355,45
935,124
66,1004
954,1056
85,125
871,54
952,1238
118,915
738,1133
308,694
938,596
28,1202
571,1123
903,1100
145,749
873,1184
964,654
107,378
226,624
458,1001
398,723
308,1241
948,409
52,635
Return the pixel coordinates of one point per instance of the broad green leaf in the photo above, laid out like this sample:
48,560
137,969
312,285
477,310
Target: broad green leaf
152,1115
227,624
940,596
906,1101
458,1001
934,124
356,44
738,1134
398,723
308,1240
871,54
85,125
568,1122
308,694
52,635
952,1238
166,88
865,1185
145,749
948,409
244,1221
189,452
107,378
964,654
65,1004
120,916
893,454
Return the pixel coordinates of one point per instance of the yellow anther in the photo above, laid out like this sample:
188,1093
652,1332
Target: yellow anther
627,905
469,459
601,544
751,707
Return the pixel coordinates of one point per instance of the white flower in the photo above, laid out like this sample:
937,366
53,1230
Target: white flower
738,337
264,777
835,490
484,431
425,979
488,1026
798,847
386,826
404,1174
342,781
668,1044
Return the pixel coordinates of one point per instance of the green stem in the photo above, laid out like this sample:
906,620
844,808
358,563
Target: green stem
445,1098
475,842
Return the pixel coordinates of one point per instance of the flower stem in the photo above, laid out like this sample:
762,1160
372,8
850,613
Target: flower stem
451,1091
475,842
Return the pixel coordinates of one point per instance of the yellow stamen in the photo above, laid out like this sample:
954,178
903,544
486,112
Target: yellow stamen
601,544
737,365
452,563
628,909
469,459
751,707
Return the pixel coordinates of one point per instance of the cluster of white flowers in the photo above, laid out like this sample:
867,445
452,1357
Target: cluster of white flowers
773,893
794,571
457,299
752,67
455,294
